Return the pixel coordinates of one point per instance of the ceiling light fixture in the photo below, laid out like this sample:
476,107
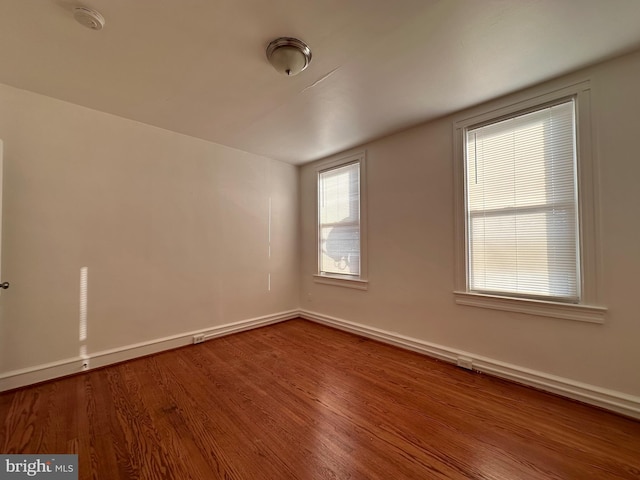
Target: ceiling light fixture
89,18
289,55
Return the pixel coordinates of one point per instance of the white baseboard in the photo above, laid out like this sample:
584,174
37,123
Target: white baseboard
619,402
62,368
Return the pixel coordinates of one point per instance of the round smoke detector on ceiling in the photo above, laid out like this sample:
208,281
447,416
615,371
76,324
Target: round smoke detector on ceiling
89,18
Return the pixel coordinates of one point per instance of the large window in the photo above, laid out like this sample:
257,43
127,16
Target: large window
526,219
521,204
341,220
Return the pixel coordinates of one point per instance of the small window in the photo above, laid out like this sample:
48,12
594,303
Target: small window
341,221
526,227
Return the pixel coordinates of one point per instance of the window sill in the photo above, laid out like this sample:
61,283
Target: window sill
567,311
342,281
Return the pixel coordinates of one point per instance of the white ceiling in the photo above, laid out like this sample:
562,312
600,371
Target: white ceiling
198,67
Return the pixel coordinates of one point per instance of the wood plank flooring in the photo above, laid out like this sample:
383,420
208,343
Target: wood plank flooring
298,400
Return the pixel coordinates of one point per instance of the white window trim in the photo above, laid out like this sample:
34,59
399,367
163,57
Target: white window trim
589,309
360,282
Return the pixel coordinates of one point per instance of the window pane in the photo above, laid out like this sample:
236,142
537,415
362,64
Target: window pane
522,205
339,215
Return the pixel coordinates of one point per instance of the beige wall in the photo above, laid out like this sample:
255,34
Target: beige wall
173,230
411,250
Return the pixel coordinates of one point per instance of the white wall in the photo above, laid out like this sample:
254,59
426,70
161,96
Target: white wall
411,250
174,233
173,230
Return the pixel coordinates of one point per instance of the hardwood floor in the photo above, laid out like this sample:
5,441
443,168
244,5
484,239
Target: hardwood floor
298,400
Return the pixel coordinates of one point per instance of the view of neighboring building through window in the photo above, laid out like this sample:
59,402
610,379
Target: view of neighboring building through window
522,206
339,220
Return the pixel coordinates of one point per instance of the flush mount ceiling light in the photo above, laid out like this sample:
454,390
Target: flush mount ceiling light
89,18
289,56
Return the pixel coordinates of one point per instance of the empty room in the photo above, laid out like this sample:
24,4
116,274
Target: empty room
319,239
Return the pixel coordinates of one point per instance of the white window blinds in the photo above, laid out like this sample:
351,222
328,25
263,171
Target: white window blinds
339,220
521,206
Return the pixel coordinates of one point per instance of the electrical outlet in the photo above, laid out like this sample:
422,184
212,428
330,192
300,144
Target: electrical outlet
465,362
198,338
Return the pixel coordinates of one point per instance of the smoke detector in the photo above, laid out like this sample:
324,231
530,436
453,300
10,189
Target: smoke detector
89,18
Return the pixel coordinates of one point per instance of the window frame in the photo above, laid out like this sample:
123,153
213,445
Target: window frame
587,309
360,281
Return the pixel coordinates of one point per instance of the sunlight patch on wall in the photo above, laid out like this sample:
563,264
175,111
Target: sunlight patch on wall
84,282
269,245
83,303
